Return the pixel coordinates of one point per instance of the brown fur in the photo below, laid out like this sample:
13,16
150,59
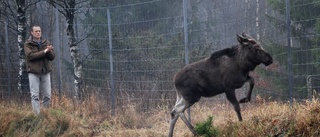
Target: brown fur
223,72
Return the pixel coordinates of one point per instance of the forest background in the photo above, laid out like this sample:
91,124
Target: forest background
128,51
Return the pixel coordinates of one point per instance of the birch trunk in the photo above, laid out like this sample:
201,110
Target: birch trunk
23,82
74,50
68,8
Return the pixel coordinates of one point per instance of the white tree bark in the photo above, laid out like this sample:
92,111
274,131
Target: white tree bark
23,82
68,8
74,50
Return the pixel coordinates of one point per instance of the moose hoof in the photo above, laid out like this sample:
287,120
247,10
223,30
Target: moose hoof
244,100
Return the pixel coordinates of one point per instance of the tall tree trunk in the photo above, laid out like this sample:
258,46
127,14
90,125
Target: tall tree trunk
74,50
23,82
68,8
257,20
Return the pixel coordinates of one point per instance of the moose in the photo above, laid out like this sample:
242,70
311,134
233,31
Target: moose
223,72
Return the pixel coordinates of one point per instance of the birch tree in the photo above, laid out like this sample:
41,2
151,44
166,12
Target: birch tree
15,14
257,20
23,82
68,9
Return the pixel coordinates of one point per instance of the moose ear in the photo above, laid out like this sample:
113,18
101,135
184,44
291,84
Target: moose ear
244,34
241,39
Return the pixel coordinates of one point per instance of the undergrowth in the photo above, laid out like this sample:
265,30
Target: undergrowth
206,129
66,118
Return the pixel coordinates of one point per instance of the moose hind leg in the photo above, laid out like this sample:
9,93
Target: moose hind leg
184,119
175,114
174,118
178,110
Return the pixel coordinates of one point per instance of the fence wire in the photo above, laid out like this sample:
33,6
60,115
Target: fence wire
148,42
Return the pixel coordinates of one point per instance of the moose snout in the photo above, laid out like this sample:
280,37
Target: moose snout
269,60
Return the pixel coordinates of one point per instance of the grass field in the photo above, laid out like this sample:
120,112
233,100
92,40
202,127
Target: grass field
66,119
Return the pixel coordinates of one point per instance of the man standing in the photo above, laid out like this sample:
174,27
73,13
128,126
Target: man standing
39,54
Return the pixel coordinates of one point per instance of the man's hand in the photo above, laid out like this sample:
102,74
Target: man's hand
49,48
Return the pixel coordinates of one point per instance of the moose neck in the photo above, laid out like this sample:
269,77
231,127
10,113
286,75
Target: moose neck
242,60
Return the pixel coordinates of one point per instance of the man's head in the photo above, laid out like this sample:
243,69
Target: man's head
36,32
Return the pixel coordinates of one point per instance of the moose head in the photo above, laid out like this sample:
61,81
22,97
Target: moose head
253,50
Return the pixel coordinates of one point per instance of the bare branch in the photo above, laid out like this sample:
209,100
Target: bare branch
76,43
87,56
32,3
7,5
80,2
56,4
66,5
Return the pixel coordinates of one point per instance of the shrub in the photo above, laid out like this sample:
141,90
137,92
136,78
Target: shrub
205,129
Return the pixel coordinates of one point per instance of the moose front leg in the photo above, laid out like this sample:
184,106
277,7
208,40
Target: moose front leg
248,97
231,96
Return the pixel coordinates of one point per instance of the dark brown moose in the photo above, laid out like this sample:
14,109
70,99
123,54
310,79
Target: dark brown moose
223,72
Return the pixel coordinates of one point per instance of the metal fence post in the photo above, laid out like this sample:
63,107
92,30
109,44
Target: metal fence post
7,58
111,63
58,51
186,43
309,87
289,49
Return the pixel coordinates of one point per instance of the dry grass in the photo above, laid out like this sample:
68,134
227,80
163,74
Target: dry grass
67,118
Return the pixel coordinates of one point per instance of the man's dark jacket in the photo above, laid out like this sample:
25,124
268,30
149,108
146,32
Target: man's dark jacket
37,61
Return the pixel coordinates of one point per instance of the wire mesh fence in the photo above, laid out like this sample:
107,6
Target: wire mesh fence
130,52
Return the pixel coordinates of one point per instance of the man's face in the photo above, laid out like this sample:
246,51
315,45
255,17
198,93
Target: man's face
36,32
